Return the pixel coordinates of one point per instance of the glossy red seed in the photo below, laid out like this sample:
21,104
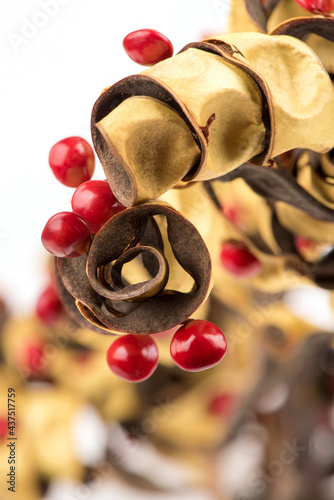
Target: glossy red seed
49,307
95,202
147,47
239,261
133,357
317,5
198,345
66,235
72,161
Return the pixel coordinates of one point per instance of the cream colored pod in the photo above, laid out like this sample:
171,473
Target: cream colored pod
153,141
301,90
148,144
208,86
242,97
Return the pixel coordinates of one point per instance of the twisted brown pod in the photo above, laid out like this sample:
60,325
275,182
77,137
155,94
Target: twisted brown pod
112,304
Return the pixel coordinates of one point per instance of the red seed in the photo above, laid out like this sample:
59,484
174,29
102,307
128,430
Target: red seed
147,47
49,307
66,235
72,161
133,357
31,357
95,203
317,5
239,261
198,345
222,404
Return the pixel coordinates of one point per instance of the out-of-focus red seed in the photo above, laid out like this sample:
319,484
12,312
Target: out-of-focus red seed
49,307
239,261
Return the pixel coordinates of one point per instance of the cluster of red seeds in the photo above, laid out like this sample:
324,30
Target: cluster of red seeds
197,344
68,234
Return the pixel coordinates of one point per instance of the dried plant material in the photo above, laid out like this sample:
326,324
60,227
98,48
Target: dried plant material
324,50
152,142
302,103
208,94
270,241
291,19
122,182
208,85
280,271
256,11
96,281
72,310
302,27
282,333
214,106
240,19
300,223
275,185
241,206
285,9
316,184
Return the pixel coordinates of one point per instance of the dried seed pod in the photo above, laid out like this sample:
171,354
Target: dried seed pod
158,300
302,27
241,19
122,168
301,104
214,106
275,185
317,31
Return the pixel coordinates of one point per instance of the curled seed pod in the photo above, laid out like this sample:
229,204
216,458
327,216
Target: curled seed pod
216,105
302,27
108,300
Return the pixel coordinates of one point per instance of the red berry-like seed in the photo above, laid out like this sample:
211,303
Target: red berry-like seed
95,202
198,345
133,357
147,47
49,307
72,161
239,261
66,235
317,5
